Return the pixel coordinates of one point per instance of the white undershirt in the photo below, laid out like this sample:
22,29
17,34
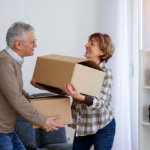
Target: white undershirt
14,55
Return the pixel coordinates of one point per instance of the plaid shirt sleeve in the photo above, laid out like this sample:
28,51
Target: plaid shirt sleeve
105,94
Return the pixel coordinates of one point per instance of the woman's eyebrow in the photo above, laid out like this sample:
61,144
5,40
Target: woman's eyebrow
92,41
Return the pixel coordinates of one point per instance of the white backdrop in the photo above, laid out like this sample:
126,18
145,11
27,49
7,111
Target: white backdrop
146,25
63,26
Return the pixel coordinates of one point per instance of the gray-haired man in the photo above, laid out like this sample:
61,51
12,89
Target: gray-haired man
21,42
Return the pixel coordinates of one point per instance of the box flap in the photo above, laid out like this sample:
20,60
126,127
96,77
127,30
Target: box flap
51,89
64,58
92,64
83,61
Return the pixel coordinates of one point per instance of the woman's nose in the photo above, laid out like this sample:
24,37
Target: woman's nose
86,45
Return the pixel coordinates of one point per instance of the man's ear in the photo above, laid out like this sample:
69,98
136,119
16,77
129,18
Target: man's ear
18,45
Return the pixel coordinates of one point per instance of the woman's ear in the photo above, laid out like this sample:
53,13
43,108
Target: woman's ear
102,53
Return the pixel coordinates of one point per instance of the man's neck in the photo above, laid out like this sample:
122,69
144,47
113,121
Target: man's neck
17,51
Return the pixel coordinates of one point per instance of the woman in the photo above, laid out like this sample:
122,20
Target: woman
93,118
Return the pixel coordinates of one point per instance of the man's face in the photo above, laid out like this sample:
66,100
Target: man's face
27,48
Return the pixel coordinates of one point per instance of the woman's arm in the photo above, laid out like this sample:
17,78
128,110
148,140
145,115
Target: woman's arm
105,94
97,101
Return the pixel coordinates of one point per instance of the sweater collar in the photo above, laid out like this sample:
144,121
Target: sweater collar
14,55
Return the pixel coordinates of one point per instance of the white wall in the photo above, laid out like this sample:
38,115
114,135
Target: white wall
146,25
62,27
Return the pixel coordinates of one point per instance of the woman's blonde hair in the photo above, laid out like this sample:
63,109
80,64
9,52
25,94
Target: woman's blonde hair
106,45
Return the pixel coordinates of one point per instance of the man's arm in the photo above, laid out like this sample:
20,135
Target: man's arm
10,88
25,94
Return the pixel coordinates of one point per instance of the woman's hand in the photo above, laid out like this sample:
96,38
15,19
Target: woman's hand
32,82
73,93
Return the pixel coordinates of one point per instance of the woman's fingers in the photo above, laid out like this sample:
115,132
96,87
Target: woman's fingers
68,89
65,89
73,87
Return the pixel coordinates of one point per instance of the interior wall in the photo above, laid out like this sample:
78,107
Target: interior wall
146,25
62,27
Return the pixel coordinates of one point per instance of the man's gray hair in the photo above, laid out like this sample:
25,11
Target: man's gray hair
17,33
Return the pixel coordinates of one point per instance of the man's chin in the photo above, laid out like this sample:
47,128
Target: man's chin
31,54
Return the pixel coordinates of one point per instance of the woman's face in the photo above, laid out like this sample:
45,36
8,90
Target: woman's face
93,49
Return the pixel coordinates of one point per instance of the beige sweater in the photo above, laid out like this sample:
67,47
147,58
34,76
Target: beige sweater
13,99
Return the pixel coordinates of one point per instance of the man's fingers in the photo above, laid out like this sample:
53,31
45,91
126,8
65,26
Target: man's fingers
54,128
59,125
32,82
56,117
51,129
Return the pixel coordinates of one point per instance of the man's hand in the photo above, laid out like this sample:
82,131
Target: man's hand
32,82
74,93
50,125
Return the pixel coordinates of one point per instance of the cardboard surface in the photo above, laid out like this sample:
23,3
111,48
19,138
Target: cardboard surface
56,70
53,106
90,77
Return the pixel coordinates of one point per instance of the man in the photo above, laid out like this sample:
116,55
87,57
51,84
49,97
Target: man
21,42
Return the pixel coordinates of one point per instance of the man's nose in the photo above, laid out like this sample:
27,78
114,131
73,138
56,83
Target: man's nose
35,45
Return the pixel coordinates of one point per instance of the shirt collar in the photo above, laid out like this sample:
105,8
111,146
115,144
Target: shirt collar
15,55
103,65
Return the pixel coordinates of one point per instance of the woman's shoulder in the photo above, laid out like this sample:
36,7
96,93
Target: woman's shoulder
105,67
109,70
108,73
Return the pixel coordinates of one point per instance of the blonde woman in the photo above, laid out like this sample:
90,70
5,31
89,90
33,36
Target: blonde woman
93,118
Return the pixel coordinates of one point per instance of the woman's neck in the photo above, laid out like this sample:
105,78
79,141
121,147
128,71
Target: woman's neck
96,60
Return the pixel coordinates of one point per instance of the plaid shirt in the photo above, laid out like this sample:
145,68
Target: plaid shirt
89,119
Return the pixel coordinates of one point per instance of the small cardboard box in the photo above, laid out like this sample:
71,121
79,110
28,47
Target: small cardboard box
56,70
53,106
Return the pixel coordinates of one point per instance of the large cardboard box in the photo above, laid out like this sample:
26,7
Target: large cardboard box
53,106
56,70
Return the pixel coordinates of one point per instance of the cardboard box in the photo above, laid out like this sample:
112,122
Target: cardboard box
53,106
56,70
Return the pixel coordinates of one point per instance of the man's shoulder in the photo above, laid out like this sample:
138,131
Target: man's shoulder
5,58
3,54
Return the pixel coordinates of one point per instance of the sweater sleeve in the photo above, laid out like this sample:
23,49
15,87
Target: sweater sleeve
10,89
25,94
